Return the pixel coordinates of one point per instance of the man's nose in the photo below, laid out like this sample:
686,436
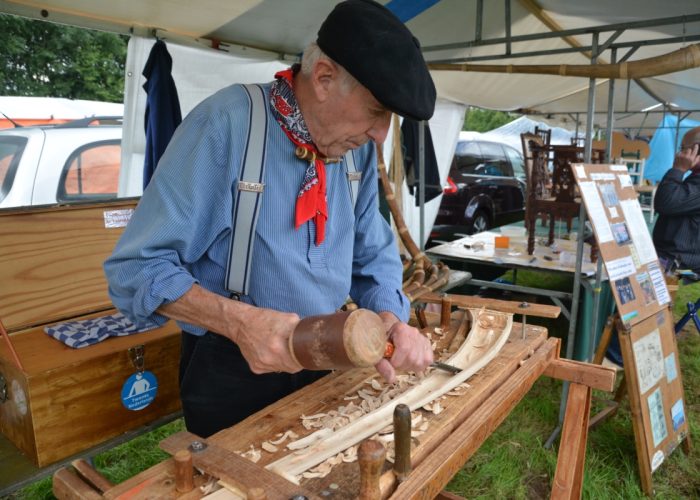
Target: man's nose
380,128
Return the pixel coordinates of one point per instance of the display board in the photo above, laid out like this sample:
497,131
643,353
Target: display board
655,386
636,279
647,337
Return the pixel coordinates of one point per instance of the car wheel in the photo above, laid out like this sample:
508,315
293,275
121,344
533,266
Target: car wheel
480,222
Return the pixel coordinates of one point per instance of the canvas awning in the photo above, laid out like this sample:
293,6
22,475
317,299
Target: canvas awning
449,31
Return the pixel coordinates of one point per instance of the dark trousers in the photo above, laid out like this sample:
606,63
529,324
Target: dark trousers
218,389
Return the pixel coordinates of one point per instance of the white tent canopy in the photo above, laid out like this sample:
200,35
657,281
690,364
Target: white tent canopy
513,32
282,28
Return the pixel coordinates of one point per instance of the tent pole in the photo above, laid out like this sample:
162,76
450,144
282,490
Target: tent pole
571,336
507,26
678,129
611,111
421,181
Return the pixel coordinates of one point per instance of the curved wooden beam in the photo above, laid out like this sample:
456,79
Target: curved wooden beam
678,60
489,333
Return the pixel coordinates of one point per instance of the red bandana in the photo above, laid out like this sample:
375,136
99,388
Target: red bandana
311,199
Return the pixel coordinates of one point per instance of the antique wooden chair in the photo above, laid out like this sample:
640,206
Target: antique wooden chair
541,189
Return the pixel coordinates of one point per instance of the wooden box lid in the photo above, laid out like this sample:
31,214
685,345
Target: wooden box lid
51,261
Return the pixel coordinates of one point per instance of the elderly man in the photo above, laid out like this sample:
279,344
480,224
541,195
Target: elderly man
677,230
314,244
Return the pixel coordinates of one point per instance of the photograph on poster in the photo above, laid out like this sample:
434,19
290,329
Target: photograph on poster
649,359
622,236
677,415
656,417
607,192
647,288
624,290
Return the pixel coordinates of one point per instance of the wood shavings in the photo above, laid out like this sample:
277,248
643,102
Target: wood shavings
310,439
376,385
424,426
435,407
283,437
349,398
439,331
252,454
209,486
268,447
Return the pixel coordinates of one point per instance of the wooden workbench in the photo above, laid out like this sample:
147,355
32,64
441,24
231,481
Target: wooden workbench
451,438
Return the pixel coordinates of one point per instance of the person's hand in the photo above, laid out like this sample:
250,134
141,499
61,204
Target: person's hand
412,351
263,338
687,158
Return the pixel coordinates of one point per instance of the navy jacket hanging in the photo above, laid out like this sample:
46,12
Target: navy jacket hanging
409,134
162,107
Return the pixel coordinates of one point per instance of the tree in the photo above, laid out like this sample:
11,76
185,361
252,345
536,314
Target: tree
483,120
50,60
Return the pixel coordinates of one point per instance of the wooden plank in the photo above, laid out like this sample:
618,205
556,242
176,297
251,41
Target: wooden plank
89,474
68,486
446,495
595,376
233,469
433,474
568,478
51,262
539,310
490,331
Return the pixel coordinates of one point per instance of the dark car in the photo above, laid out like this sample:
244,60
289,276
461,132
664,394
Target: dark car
485,188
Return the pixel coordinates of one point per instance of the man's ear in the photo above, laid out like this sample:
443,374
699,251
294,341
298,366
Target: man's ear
323,78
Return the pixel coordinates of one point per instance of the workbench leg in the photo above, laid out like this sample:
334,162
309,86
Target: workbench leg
568,478
68,486
604,341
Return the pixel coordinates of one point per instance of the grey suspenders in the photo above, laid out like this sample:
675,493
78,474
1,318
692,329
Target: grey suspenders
250,188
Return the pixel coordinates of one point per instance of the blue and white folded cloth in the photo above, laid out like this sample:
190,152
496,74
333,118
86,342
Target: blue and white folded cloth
86,332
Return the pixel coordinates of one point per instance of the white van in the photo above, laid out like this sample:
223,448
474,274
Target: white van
68,163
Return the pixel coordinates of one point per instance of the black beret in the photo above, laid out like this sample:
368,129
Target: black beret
375,47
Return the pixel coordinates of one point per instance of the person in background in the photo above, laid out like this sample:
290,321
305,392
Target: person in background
311,248
676,234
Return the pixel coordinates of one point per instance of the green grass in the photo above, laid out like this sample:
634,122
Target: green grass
513,463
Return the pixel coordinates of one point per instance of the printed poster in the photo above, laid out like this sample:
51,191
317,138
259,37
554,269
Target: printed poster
659,283
649,360
596,211
639,232
656,417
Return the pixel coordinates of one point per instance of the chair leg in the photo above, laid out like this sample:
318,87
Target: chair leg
692,313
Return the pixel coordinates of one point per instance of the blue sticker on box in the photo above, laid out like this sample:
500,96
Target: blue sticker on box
139,390
677,414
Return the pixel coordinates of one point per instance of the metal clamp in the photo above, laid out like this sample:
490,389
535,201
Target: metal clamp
136,356
197,446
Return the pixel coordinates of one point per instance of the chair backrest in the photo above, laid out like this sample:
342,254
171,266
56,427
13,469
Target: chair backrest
544,134
528,139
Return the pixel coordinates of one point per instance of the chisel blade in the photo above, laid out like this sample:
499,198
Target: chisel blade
444,366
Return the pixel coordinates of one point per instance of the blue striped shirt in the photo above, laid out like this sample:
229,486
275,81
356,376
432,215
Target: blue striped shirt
181,230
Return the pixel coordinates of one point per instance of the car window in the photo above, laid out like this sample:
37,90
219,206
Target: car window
91,173
467,157
494,160
516,161
11,148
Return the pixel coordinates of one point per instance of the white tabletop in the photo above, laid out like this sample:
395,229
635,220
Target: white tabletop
560,257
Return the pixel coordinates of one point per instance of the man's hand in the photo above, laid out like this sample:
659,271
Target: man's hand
263,338
688,158
261,334
412,351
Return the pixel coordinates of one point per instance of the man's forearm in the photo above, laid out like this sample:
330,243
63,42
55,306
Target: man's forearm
209,310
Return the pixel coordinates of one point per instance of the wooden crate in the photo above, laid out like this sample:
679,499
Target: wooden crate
61,400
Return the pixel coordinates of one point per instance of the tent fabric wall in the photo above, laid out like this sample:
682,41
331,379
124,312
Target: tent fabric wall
198,73
664,145
444,127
